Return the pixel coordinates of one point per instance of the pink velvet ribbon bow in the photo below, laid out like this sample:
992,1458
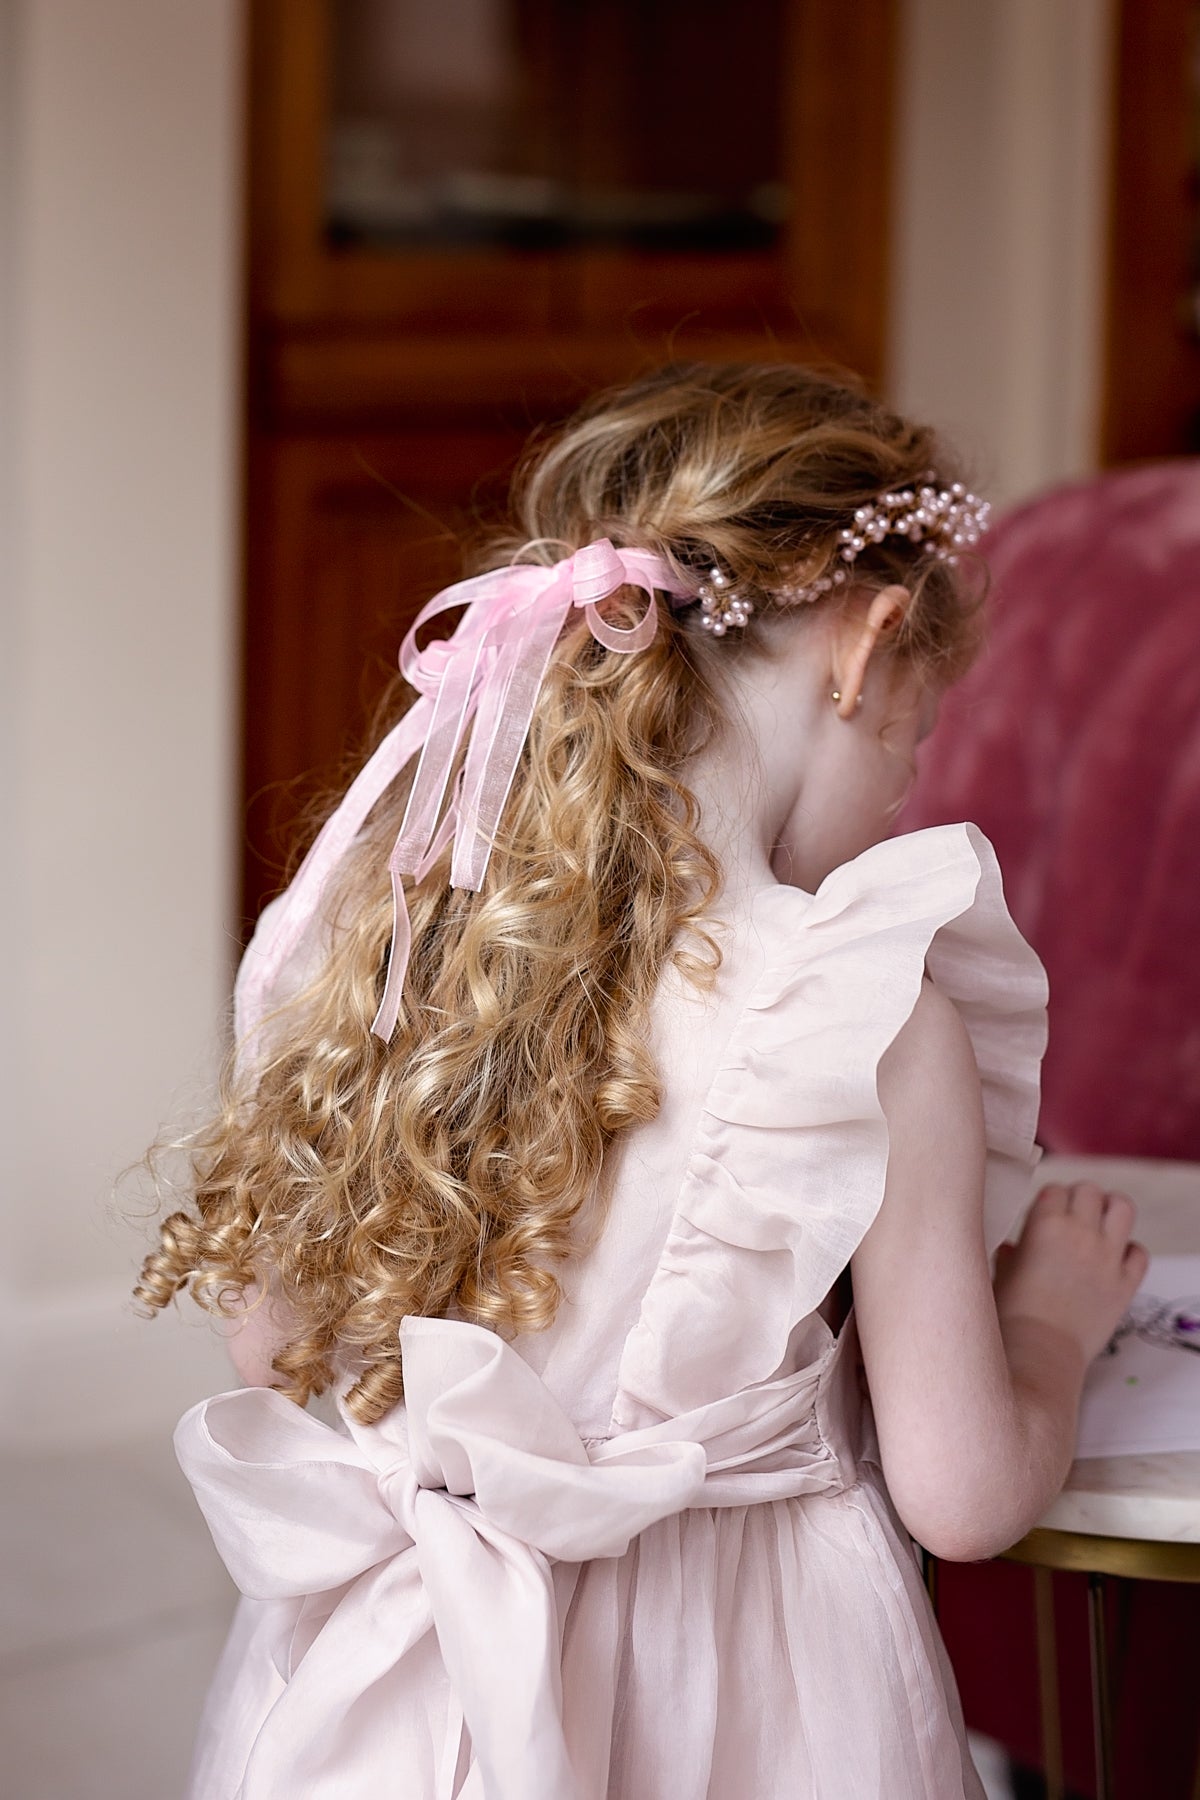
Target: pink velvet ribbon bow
484,679
456,1514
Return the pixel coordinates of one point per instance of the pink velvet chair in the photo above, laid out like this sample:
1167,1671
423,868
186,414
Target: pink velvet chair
1075,745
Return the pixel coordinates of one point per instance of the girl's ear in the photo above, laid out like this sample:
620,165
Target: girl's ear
885,613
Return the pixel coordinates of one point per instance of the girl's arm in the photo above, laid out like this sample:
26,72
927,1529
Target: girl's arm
975,1391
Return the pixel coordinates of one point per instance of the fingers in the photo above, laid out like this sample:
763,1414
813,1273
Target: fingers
1087,1203
1119,1215
1134,1263
1052,1199
1111,1213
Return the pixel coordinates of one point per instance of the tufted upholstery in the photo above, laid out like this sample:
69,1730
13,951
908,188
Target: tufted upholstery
1075,744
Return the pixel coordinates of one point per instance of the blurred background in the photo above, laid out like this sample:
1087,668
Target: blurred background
284,284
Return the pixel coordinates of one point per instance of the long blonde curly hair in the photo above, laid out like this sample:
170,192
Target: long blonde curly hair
454,1169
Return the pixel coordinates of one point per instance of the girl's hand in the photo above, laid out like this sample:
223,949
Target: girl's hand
1075,1266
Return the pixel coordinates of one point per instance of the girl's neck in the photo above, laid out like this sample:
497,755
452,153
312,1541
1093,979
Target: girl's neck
794,784
736,815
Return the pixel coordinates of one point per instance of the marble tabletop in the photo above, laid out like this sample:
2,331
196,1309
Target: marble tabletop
1136,1496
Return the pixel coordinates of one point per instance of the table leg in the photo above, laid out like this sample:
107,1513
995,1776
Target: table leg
1047,1661
1101,1693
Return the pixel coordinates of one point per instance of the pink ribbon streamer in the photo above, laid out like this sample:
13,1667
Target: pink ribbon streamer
484,679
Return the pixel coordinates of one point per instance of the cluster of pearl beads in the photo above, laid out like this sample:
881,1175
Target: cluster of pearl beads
813,590
946,520
719,609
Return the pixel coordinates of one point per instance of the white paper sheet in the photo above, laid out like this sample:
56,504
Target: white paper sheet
1143,1395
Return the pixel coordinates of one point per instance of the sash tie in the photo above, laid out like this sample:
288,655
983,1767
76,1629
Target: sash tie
450,1513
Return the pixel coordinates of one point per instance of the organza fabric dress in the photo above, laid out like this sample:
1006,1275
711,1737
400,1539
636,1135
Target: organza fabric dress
647,1554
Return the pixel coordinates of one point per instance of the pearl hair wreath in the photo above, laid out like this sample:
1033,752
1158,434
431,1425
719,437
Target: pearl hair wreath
945,520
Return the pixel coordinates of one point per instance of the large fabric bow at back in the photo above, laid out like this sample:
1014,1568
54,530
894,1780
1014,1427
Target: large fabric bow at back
456,1515
483,680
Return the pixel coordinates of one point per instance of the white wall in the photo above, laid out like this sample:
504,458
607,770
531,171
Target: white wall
118,363
999,248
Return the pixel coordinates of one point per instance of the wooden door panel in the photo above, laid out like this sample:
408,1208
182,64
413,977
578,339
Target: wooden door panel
349,536
1152,356
387,379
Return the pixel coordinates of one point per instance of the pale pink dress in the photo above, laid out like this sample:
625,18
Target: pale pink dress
649,1554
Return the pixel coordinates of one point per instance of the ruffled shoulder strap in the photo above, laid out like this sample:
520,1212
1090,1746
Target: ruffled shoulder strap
788,1166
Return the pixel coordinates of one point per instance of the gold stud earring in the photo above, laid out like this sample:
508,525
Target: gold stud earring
836,697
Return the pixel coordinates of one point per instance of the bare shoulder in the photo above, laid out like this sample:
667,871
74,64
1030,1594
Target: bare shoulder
930,1093
934,1040
930,1063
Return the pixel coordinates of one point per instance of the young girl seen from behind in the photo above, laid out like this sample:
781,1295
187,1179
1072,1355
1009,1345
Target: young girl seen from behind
603,1046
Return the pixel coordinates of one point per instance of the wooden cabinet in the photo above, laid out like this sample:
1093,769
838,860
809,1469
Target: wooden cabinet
464,215
1152,372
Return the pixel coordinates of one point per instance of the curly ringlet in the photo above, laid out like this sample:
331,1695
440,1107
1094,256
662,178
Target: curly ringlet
452,1170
